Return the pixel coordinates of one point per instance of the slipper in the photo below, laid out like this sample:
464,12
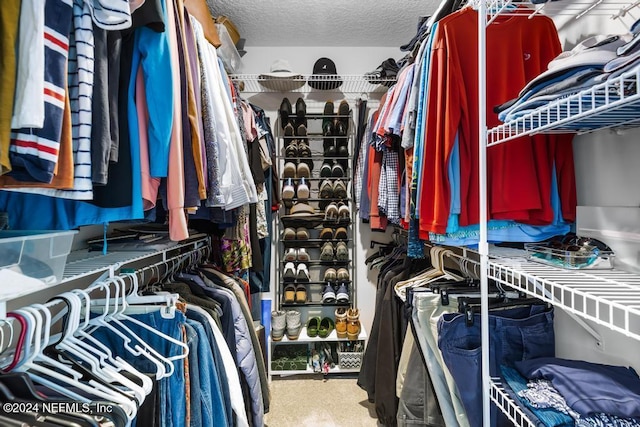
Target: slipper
301,294
326,327
289,294
312,327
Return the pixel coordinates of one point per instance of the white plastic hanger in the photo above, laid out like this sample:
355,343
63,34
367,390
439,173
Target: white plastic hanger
103,320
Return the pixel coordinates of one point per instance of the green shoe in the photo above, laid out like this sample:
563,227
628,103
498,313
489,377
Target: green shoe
325,328
312,327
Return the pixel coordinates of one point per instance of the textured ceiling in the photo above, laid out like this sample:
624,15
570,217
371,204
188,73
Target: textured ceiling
324,22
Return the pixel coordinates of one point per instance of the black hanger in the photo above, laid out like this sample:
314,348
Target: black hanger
20,384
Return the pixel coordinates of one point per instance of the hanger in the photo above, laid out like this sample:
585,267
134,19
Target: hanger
103,352
138,349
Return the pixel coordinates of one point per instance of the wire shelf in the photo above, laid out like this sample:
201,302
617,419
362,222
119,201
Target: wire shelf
510,408
607,297
575,8
257,83
614,103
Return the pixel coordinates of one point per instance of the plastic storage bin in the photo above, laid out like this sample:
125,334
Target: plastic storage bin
38,254
350,360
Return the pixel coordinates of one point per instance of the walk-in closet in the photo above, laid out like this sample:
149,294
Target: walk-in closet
325,214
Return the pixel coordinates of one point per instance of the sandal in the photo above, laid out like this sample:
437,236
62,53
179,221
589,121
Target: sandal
289,294
301,294
326,327
312,327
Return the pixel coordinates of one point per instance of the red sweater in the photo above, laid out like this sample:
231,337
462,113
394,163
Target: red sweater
519,172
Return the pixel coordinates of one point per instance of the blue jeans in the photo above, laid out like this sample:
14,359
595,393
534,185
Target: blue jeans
195,408
172,389
514,334
210,398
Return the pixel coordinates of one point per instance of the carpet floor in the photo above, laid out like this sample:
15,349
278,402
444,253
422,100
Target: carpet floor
312,401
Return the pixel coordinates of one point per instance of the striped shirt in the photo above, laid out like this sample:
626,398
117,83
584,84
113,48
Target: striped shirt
34,152
110,14
80,84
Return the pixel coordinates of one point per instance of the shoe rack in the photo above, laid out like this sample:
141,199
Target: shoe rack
315,245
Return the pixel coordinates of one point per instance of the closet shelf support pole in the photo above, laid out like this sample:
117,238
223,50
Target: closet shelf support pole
483,246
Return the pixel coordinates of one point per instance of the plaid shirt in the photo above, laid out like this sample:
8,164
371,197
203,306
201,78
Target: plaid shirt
388,189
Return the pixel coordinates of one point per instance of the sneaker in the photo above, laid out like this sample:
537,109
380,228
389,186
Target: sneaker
302,272
326,253
326,189
325,170
291,255
289,271
288,193
342,252
301,112
342,275
303,190
285,113
339,189
303,170
302,255
328,294
289,170
330,275
302,233
337,171
343,294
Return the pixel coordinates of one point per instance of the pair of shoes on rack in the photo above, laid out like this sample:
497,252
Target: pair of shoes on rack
291,170
295,294
287,116
333,190
333,275
289,191
339,233
288,321
293,272
299,233
340,252
330,296
337,211
320,328
293,254
335,170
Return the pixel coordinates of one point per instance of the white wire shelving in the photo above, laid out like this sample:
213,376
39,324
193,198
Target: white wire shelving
258,83
610,298
506,404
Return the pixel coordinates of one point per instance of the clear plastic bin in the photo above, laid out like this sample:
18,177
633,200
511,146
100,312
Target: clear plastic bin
228,52
38,254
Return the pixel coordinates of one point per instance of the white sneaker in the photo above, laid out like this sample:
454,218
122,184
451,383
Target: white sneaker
289,271
303,255
302,272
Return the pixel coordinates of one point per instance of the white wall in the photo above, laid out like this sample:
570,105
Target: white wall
348,60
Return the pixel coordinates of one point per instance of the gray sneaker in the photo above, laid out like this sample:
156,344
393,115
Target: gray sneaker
293,324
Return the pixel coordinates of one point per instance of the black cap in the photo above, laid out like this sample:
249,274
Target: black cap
328,78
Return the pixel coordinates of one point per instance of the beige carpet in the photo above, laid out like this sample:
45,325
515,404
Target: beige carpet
310,401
